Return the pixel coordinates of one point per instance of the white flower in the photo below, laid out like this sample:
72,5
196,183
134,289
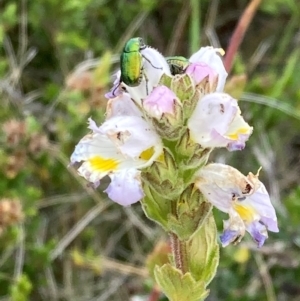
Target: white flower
210,57
119,148
245,199
122,105
216,122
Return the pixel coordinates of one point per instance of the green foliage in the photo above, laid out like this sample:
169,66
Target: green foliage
21,289
9,16
203,252
276,6
179,287
293,206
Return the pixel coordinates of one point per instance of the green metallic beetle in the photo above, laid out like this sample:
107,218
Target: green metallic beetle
177,64
131,62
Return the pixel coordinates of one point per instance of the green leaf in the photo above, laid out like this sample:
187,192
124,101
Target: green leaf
188,219
71,39
9,16
287,74
179,287
163,178
2,33
293,206
203,251
155,207
21,289
190,213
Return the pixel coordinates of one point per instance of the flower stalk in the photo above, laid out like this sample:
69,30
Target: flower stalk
178,247
239,33
179,253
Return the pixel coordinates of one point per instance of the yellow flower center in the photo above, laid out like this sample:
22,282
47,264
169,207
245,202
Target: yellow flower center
241,131
147,154
101,164
246,213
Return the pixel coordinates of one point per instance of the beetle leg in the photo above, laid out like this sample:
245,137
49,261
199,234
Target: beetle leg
143,75
146,80
115,89
151,63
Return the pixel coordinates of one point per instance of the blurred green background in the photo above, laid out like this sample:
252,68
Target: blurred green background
60,239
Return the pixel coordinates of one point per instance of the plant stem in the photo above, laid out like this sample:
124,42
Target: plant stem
239,33
178,248
195,25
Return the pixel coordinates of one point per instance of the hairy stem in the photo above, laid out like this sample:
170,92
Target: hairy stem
178,249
